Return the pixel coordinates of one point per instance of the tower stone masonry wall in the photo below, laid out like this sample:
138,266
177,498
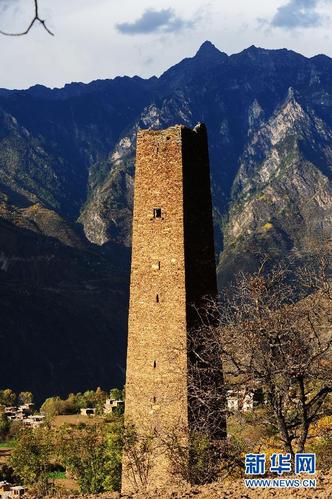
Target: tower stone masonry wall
173,267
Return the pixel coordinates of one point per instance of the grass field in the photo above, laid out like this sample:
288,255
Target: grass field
10,444
57,475
75,419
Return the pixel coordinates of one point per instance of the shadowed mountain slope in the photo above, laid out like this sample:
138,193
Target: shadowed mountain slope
66,188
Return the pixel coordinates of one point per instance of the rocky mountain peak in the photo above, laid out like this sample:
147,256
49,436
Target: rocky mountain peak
254,52
208,49
188,70
290,116
292,98
209,53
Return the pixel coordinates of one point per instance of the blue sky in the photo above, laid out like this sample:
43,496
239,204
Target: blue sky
105,38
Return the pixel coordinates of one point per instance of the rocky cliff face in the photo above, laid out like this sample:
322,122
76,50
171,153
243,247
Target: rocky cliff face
281,200
67,176
269,130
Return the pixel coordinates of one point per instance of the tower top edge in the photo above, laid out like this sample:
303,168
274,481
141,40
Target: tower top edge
163,131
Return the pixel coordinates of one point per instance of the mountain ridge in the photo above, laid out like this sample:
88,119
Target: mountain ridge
67,176
207,44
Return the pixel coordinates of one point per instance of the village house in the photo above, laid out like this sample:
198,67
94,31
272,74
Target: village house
19,413
240,400
24,414
113,406
8,491
35,420
88,411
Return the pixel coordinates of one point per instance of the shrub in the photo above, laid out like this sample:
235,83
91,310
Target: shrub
82,450
31,458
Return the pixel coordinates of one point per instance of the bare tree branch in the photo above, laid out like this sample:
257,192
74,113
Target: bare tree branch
34,20
272,336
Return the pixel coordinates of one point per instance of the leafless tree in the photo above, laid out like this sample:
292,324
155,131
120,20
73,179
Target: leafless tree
197,458
197,447
36,19
139,451
268,338
272,331
206,389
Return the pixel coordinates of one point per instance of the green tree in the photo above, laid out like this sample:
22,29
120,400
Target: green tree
4,426
7,397
101,397
52,406
114,448
92,398
116,394
72,404
7,474
82,450
31,458
14,428
88,399
25,398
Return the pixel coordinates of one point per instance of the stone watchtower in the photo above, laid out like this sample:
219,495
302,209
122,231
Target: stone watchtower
173,267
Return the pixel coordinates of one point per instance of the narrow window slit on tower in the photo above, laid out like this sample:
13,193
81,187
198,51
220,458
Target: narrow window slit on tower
157,213
154,364
157,298
154,400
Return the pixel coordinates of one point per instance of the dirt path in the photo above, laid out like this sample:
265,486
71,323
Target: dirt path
5,454
232,489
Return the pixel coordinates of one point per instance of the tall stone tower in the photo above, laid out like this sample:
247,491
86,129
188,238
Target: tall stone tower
173,267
